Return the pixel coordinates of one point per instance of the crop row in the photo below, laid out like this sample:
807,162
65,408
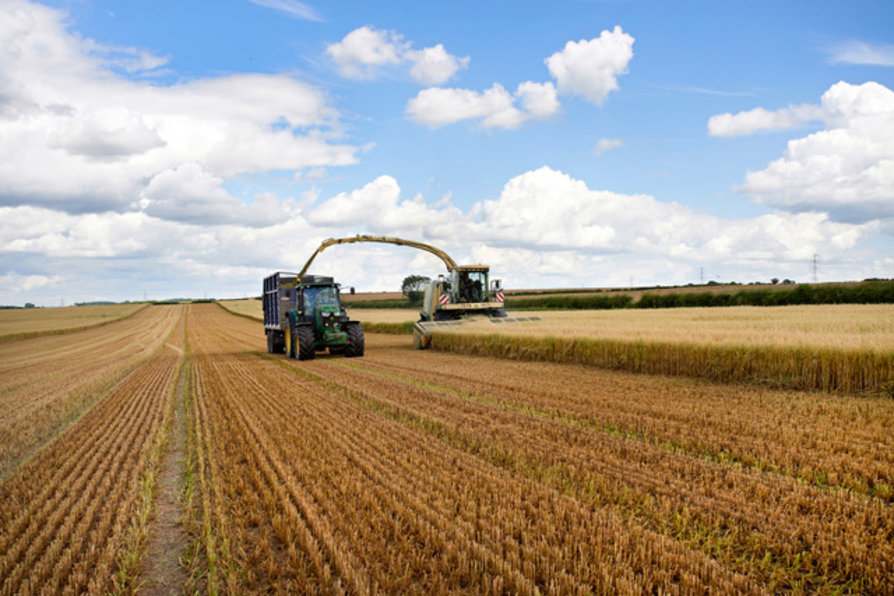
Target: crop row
46,382
75,514
307,485
825,369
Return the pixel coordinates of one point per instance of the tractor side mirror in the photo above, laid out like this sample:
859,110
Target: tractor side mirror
496,285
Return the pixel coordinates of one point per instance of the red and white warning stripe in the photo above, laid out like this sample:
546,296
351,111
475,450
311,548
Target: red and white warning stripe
500,297
444,299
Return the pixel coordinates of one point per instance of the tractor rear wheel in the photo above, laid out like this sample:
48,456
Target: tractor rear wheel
356,341
306,349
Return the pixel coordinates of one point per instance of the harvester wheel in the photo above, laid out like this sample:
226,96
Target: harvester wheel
305,346
356,341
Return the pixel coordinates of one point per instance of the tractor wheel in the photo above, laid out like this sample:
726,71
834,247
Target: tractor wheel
291,352
356,341
305,343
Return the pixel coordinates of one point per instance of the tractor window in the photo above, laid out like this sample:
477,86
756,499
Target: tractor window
315,296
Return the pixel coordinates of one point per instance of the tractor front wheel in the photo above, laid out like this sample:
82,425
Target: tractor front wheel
306,349
356,341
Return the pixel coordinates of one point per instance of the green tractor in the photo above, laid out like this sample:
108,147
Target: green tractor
303,315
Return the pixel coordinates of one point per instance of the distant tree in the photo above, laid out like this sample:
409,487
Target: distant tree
787,281
774,281
413,287
29,305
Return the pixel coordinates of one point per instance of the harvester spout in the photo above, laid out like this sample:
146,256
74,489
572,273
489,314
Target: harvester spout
449,262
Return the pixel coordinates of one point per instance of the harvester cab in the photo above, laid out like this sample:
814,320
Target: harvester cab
303,315
465,292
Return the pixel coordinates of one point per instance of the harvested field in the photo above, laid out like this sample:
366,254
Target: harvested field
74,515
412,471
33,322
48,381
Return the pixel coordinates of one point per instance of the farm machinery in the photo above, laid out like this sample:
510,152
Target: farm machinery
464,292
303,315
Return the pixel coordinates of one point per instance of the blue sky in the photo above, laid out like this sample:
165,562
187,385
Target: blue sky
183,149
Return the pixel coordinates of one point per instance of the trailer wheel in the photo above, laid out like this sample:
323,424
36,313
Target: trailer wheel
270,344
305,337
356,341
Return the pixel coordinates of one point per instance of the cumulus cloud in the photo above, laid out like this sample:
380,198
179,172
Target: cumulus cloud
81,137
364,51
433,66
846,169
437,107
861,52
378,207
586,68
548,210
591,68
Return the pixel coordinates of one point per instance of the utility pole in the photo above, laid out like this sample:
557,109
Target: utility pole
815,278
701,275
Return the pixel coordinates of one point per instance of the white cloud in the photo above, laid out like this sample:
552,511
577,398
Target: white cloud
591,68
587,68
759,119
365,50
433,66
104,137
606,145
846,169
190,194
14,283
377,206
495,107
860,52
293,8
538,99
